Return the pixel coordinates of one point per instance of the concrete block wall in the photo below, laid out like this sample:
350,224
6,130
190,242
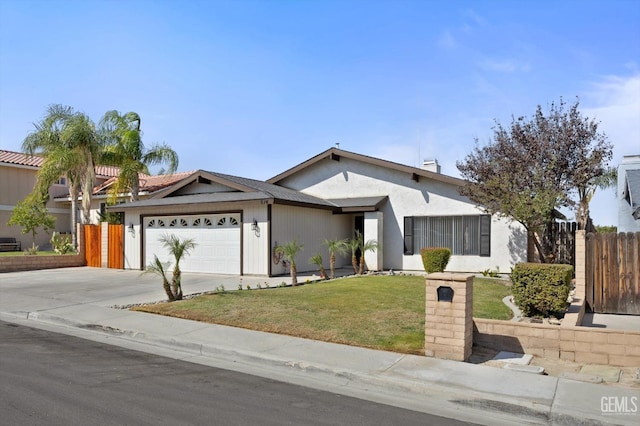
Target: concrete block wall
577,344
449,325
31,263
104,244
576,310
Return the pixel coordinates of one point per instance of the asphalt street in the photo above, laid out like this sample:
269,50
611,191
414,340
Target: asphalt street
56,379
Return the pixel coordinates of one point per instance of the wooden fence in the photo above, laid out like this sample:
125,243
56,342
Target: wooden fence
93,245
562,242
115,255
114,250
613,273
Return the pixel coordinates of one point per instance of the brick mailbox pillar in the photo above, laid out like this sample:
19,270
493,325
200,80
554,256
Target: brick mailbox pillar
449,316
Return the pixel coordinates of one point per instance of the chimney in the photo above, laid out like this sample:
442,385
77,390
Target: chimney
431,165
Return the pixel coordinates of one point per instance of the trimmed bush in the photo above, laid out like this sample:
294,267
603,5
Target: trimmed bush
435,259
541,289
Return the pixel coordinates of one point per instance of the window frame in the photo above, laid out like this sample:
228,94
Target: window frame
483,238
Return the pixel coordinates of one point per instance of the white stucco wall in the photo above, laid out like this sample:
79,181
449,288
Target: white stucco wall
310,227
254,248
349,178
374,230
255,243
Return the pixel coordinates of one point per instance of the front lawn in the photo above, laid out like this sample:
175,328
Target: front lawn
23,253
380,312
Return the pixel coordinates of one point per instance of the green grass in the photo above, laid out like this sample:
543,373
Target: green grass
487,299
23,253
380,312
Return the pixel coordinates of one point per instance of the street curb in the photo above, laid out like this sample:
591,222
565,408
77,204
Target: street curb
526,411
534,412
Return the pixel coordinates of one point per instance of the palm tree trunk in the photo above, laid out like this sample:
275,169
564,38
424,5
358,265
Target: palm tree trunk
361,264
176,284
582,215
294,277
74,216
167,289
354,263
135,189
87,191
332,264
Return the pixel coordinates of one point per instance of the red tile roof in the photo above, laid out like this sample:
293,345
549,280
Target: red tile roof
22,159
148,183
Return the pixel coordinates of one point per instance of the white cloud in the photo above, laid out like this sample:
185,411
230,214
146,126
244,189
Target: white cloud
615,103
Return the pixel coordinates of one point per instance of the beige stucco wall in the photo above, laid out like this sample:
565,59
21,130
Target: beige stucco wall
16,182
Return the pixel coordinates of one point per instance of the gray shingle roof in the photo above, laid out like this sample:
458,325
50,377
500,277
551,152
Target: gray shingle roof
277,192
261,191
633,191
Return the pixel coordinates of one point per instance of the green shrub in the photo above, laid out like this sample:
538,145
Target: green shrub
541,289
61,243
435,259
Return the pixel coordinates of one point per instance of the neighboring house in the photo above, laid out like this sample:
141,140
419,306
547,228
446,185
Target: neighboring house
100,198
237,222
629,193
18,174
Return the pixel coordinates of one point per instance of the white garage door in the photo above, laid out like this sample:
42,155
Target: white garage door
217,239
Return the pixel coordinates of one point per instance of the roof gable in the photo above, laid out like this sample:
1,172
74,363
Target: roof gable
204,181
240,189
335,154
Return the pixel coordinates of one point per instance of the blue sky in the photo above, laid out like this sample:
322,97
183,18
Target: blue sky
252,88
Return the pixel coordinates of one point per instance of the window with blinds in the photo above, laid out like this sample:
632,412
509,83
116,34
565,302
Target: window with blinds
464,235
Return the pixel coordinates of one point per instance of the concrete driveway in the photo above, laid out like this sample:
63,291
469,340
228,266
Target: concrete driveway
54,288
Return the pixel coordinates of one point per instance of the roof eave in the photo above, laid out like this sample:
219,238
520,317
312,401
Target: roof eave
335,154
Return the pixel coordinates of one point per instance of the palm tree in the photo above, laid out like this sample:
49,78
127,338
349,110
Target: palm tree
335,247
316,259
355,244
124,149
369,245
178,248
607,180
290,251
70,145
156,267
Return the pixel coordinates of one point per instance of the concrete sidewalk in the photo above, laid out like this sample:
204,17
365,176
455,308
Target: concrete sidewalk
80,301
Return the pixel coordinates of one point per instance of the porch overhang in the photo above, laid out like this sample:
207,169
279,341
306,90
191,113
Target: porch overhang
359,204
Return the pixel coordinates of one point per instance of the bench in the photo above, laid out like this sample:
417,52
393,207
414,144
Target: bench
9,244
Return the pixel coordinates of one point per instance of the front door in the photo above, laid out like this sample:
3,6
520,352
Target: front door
358,227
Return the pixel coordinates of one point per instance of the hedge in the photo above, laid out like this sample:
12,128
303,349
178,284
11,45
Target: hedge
435,259
541,289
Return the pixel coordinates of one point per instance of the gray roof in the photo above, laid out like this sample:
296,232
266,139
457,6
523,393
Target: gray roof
277,192
255,190
633,191
633,185
212,197
359,203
